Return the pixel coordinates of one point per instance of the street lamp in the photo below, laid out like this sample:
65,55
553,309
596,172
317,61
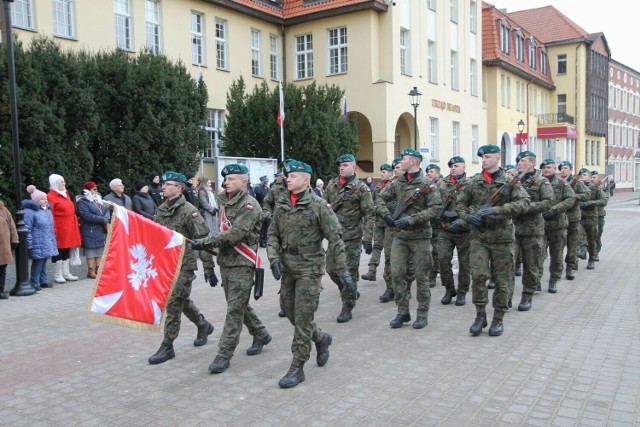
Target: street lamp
415,102
521,129
22,287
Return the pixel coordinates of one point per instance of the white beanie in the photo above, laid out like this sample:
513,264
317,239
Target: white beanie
114,182
54,179
319,182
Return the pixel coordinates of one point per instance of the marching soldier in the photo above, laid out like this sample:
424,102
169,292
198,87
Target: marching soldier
433,173
417,202
241,217
179,215
301,221
555,221
454,235
351,200
590,210
529,227
487,203
602,212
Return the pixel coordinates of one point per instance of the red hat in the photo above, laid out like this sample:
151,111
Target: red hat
89,185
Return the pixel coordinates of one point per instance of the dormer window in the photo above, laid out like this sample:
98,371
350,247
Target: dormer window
505,35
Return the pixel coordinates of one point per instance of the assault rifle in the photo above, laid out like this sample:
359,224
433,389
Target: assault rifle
344,196
497,196
447,202
412,198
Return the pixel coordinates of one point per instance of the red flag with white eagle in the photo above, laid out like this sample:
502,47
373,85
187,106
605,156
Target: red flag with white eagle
139,270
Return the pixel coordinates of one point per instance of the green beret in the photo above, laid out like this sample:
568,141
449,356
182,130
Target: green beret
395,162
297,166
595,173
565,163
411,152
507,167
345,158
173,176
431,166
525,154
386,167
234,169
488,149
455,159
584,170
546,162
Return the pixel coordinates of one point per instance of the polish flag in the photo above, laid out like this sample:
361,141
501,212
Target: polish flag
280,119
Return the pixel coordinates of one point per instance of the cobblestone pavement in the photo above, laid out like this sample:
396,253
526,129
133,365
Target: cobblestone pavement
574,359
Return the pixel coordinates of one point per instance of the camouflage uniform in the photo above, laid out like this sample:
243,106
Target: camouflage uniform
555,227
238,274
413,243
458,240
435,260
602,212
529,228
378,232
275,192
589,219
181,216
492,250
356,216
295,239
573,230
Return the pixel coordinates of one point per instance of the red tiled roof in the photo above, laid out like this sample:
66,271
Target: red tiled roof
493,55
295,8
550,24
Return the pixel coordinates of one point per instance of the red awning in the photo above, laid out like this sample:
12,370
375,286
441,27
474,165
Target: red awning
557,132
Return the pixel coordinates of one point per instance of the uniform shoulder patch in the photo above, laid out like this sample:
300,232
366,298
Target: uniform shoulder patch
249,206
195,214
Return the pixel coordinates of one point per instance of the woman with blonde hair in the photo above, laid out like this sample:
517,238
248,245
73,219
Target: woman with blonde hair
208,205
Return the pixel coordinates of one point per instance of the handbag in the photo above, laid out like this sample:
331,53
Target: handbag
74,256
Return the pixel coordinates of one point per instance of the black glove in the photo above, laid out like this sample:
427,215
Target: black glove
350,288
197,245
392,206
402,223
474,220
489,210
215,212
368,247
584,205
211,278
548,215
14,246
276,269
456,226
389,220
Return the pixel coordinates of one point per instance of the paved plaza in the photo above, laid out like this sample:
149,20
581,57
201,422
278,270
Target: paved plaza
574,359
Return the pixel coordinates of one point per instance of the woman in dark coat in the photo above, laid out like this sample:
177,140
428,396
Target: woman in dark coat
94,218
143,203
41,238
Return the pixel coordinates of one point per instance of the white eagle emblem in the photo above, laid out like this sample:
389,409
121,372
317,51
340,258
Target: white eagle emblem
142,270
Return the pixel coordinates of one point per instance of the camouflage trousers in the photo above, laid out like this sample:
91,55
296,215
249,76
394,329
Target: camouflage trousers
299,297
378,245
435,260
492,261
590,226
600,229
238,283
418,251
573,244
530,248
517,255
447,242
353,249
179,302
556,240
389,234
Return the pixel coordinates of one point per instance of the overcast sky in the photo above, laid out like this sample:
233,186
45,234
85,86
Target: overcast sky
617,19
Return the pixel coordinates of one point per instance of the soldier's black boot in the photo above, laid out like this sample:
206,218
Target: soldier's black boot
460,299
525,303
219,365
496,327
322,348
387,296
491,284
421,321
591,264
294,377
478,324
258,344
371,274
345,314
203,334
400,320
518,270
552,286
164,353
596,258
448,295
582,254
570,275
281,313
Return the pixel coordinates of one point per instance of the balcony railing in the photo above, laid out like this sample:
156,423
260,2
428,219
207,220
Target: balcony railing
553,118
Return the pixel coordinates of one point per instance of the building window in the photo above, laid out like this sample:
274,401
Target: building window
222,45
22,14
433,138
274,60
454,70
123,24
519,47
473,78
337,50
454,10
473,16
455,139
505,34
432,61
517,95
562,64
597,153
533,53
197,38
503,90
404,52
214,127
256,62
561,103
431,4
152,13
587,159
508,92
304,56
543,63
474,143
63,18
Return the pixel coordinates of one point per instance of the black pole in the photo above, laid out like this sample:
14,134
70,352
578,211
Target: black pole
22,287
415,127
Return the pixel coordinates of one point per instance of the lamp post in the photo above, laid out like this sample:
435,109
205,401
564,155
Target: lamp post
22,287
415,102
521,129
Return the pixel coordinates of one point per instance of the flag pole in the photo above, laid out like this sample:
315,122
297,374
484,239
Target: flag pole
281,119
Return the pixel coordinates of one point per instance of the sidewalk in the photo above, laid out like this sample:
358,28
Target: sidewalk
574,359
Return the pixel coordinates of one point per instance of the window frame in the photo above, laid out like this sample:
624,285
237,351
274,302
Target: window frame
221,27
455,138
405,41
156,45
432,61
561,59
256,52
455,70
304,56
126,23
433,138
29,14
71,25
274,58
198,38
337,51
